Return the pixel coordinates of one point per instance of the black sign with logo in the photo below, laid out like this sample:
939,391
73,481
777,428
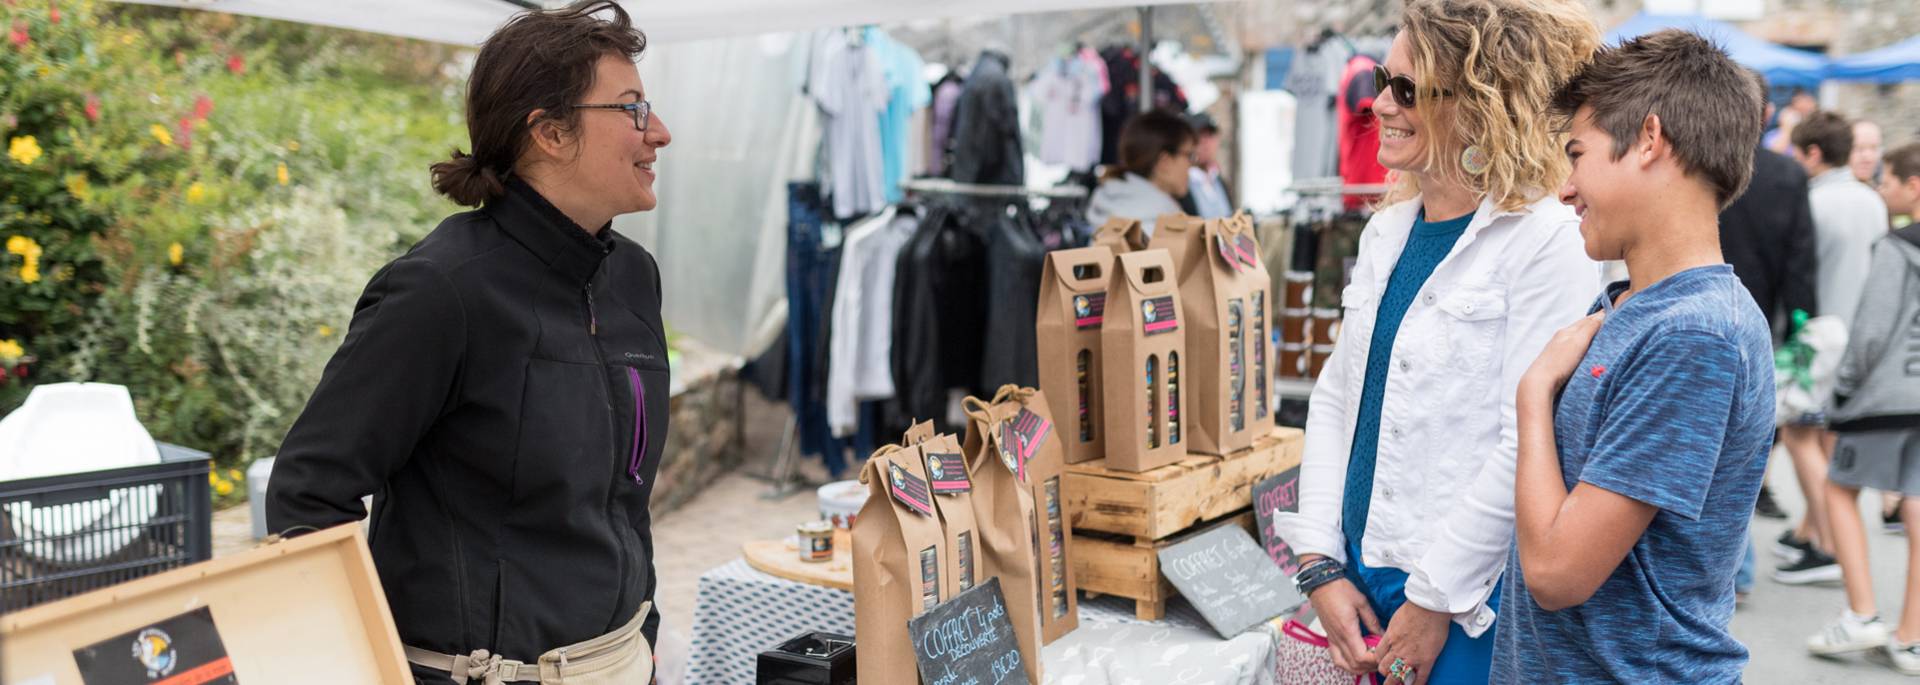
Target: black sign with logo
183,650
968,641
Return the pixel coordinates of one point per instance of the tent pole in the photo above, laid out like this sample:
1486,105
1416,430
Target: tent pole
1146,62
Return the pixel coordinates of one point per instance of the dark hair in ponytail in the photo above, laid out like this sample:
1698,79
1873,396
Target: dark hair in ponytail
539,60
1144,138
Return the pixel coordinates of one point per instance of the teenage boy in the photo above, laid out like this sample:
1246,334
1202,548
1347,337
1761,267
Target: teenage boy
1633,491
1877,416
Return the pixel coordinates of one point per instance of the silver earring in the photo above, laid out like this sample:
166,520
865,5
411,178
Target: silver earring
1474,160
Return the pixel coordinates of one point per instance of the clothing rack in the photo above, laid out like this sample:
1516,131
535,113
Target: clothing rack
943,186
1336,186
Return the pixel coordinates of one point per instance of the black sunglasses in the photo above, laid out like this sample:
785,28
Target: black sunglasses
642,112
1400,87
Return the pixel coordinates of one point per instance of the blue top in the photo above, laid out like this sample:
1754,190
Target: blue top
1672,406
1429,243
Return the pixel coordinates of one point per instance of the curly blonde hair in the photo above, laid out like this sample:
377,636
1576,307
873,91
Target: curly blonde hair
1502,60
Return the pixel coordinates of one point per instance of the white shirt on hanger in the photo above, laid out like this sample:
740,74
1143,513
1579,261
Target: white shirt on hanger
860,342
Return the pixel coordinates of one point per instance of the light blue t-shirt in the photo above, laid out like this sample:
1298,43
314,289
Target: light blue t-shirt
1673,406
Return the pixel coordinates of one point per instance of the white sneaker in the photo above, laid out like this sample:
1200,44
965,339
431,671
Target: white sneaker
1848,634
1899,656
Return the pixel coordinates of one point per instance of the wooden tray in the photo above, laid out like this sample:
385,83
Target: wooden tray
1162,502
1130,567
782,560
282,611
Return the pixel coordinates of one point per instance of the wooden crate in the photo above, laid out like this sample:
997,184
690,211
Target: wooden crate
1162,502
1124,566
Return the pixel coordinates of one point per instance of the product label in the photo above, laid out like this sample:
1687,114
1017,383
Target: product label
948,472
929,578
1023,434
183,650
909,489
1089,310
1226,253
965,553
1158,315
1246,251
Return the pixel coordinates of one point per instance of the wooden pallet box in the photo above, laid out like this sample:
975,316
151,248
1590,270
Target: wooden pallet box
1122,566
1159,503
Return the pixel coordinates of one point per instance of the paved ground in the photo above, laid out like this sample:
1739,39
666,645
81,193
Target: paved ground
1775,621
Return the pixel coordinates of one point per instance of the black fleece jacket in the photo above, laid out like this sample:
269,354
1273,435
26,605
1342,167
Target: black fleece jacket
502,393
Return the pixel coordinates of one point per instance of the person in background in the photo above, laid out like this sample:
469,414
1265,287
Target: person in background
502,392
1877,416
1406,486
1644,427
1902,193
1206,190
1156,150
1767,235
1865,160
1848,217
1800,105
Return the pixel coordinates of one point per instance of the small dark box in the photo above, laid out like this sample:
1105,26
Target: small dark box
812,659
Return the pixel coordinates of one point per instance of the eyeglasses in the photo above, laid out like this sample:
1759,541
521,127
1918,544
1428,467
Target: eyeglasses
1400,87
642,112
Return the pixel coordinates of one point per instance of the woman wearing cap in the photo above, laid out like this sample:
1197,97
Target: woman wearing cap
502,390
1468,268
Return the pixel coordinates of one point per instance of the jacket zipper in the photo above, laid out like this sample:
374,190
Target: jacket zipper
639,424
620,526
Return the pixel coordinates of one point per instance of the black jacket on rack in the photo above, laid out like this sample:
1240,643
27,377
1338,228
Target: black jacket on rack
986,128
1014,261
939,313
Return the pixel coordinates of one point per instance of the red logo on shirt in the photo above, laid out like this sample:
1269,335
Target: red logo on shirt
1597,370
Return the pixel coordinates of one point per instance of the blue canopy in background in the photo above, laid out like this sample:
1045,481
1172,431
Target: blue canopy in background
1891,64
1783,66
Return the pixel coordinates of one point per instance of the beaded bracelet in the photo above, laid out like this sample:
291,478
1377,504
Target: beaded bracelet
1318,573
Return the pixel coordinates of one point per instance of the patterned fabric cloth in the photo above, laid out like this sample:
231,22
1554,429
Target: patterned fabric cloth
740,612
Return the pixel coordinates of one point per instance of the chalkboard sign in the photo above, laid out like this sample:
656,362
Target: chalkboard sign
1229,579
969,641
1276,494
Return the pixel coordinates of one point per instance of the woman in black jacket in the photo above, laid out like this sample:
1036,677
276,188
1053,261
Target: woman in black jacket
502,392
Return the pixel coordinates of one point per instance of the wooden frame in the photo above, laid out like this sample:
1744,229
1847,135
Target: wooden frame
302,610
1114,565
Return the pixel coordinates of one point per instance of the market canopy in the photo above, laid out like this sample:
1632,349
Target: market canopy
1891,64
467,22
1782,65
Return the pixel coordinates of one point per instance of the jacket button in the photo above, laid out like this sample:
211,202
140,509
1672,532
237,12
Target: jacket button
1405,365
1468,309
1387,492
1480,620
1429,298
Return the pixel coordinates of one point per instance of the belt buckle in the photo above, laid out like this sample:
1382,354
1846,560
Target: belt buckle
510,671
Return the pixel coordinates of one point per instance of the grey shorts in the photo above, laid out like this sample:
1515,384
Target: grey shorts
1886,460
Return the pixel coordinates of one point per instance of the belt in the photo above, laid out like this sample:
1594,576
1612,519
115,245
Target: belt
480,665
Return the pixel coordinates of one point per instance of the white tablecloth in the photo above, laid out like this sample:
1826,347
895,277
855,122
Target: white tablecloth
740,612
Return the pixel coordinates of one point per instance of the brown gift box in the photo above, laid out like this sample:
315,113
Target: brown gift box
894,579
1223,298
1073,300
1121,236
1142,361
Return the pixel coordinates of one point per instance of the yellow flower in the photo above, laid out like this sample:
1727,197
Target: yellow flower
175,253
213,478
160,133
23,246
236,474
196,193
10,352
223,488
44,71
78,187
280,172
128,38
24,149
326,331
293,146
30,271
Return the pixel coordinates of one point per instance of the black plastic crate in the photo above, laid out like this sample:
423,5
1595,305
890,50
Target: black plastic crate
102,528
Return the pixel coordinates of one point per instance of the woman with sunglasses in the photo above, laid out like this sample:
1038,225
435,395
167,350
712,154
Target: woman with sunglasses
502,392
1464,273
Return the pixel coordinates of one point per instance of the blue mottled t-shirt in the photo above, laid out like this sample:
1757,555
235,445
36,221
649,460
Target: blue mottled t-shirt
1672,406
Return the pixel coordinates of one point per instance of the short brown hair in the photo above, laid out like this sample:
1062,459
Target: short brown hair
1710,109
1904,162
1147,136
539,60
1827,132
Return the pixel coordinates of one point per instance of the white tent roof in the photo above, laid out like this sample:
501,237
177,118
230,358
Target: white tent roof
467,22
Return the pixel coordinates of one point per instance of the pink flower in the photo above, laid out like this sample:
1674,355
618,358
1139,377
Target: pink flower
53,13
202,107
236,64
184,132
93,107
19,35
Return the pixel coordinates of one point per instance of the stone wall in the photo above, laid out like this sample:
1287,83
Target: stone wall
1871,24
703,434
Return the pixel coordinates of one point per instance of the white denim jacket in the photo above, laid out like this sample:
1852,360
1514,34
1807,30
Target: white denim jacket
1442,507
